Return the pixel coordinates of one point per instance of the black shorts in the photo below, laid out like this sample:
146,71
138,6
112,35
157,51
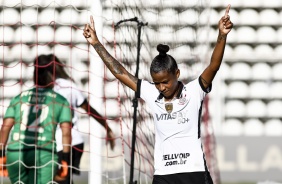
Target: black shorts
76,155
184,178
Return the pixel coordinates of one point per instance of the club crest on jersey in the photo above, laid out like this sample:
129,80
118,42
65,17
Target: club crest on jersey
169,107
182,100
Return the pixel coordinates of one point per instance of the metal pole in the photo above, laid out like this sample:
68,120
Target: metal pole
135,100
135,105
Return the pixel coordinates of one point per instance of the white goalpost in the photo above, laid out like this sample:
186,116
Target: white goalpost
96,65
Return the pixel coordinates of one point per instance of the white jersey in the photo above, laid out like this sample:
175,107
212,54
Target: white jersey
178,147
69,90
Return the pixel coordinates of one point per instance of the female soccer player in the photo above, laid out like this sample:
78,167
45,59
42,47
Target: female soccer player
34,115
65,86
176,107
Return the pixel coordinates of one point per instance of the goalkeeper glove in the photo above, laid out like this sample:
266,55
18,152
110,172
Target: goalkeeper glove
3,168
64,170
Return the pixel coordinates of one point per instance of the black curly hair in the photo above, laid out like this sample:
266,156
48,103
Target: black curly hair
163,61
47,68
43,72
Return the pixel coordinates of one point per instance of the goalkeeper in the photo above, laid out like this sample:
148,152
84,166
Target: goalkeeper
65,86
34,115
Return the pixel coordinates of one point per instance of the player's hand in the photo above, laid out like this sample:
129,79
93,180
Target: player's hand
63,172
89,32
111,139
225,25
3,168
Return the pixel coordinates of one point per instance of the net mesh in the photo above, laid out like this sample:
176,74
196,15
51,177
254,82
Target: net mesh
31,28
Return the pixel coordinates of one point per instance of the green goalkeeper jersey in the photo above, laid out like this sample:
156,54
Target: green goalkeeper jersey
36,112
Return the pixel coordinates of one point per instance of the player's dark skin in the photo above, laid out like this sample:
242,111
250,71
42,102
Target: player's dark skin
165,82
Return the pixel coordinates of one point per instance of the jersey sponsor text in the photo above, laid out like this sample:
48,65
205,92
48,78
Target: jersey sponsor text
176,158
181,116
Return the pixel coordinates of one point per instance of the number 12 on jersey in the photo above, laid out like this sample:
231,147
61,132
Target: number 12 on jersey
38,117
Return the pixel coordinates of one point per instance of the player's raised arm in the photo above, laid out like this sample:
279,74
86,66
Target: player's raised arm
224,26
112,64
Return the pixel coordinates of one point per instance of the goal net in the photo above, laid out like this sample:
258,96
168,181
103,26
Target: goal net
33,27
